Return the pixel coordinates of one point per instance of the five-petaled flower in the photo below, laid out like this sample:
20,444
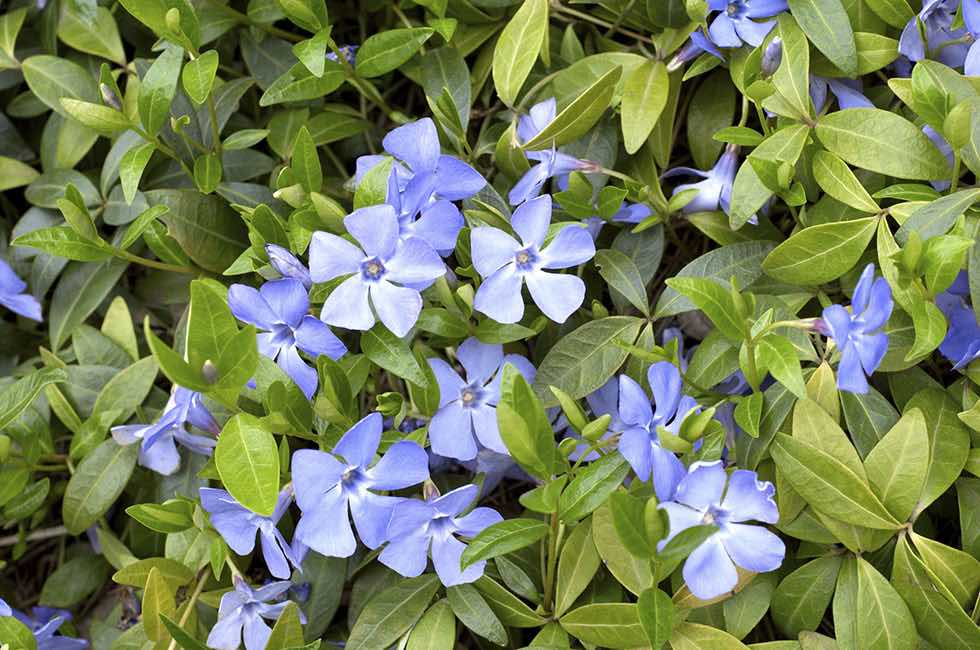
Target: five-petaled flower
158,449
857,333
44,624
961,344
551,162
701,498
279,307
639,442
506,264
383,272
734,24
241,613
936,35
715,191
13,295
238,526
416,526
467,409
329,490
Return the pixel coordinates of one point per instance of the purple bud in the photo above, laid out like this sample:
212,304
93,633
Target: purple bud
771,57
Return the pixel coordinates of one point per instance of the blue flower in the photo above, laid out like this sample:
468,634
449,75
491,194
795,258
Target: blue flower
505,264
709,570
734,24
238,526
468,409
44,625
971,16
349,52
327,489
551,162
158,449
424,183
380,270
240,614
857,333
693,48
639,442
279,308
13,295
418,526
936,18
627,213
847,91
5,608
715,191
962,342
288,265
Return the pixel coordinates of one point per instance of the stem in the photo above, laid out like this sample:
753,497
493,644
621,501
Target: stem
598,21
745,111
153,264
245,20
36,536
955,180
549,578
189,606
621,176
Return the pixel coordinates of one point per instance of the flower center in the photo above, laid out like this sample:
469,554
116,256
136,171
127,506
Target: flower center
526,259
715,515
282,334
373,269
470,396
734,9
351,477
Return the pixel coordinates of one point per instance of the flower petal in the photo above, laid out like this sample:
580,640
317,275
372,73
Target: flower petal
414,261
315,338
487,430
457,180
348,307
248,305
634,445
491,248
360,443
754,548
476,521
708,571
397,307
748,498
371,516
634,405
439,225
680,518
531,220
557,295
499,297
446,554
332,256
480,360
451,433
406,554
297,369
416,143
573,245
287,299
375,228
315,474
403,465
326,527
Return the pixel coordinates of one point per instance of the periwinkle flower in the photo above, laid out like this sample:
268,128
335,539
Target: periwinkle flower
506,264
241,613
772,56
847,91
288,265
349,52
735,22
693,48
857,333
158,448
962,342
945,148
627,213
418,526
715,191
936,37
44,624
5,608
709,570
971,17
329,491
238,526
381,271
551,162
13,294
639,442
468,408
279,308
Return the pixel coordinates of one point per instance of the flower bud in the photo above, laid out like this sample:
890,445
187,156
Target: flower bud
771,57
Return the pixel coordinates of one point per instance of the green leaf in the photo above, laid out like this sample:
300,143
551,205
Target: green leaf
518,47
656,613
629,517
14,173
802,597
186,641
579,116
692,636
131,169
305,162
883,142
622,275
197,76
937,217
207,172
248,462
385,51
779,356
949,442
610,625
288,630
645,90
898,464
102,119
829,485
393,354
836,179
592,486
632,572
158,600
896,13
820,253
157,89
792,77
473,612
51,79
715,301
502,538
312,52
577,566
436,630
96,484
74,581
583,360
524,426
92,31
392,613
958,571
828,27
16,634
15,399
136,574
64,241
510,609
169,517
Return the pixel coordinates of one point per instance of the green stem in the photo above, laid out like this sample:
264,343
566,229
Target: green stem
955,180
549,578
601,23
153,264
189,606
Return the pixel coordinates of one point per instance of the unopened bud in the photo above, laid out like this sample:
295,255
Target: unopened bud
109,97
772,57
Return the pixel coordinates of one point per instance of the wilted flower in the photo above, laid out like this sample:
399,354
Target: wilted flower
238,526
416,526
44,626
940,40
288,265
279,307
847,91
241,613
734,24
158,449
639,442
329,491
468,409
379,272
627,213
857,333
715,191
709,570
13,295
962,342
551,162
505,264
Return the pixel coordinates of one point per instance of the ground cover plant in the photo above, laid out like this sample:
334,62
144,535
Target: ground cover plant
441,324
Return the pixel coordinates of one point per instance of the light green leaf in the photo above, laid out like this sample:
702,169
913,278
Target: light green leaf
385,51
580,115
623,276
197,76
828,27
836,179
820,253
248,463
518,47
577,565
502,538
645,90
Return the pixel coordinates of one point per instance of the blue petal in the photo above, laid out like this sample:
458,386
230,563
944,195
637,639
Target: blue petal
397,307
347,306
287,299
499,297
248,305
722,32
491,249
449,382
450,433
573,245
480,360
359,444
407,555
315,474
531,220
749,499
850,375
439,225
456,501
297,369
457,180
446,554
703,485
315,338
326,527
230,519
634,445
226,633
708,571
416,143
403,465
529,185
634,405
476,521
557,295
371,516
10,282
486,428
414,261
680,518
332,256
668,470
375,228
754,548
24,304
